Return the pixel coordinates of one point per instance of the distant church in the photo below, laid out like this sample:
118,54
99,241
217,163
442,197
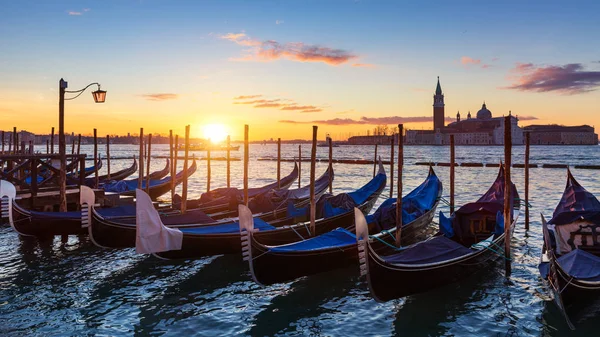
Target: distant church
482,130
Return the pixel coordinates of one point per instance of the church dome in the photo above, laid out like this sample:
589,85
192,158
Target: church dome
484,113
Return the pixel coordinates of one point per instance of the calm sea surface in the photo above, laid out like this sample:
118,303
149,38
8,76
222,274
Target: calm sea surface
54,289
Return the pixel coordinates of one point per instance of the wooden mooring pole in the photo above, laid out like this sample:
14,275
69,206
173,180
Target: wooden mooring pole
392,168
452,164
527,144
399,187
148,152
95,166
79,144
375,162
108,157
330,163
185,168
278,162
507,193
172,164
228,161
246,160
141,155
208,167
313,164
175,159
299,164
15,140
52,141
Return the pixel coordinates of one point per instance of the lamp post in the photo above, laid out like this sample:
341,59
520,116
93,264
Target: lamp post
99,97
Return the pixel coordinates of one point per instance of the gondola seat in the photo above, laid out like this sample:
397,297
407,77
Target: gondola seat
438,249
336,238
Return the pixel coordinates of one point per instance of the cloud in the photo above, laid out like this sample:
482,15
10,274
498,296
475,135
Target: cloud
159,97
527,118
494,59
368,120
299,107
363,65
568,79
269,105
271,50
279,103
471,62
278,22
258,101
77,13
247,97
465,60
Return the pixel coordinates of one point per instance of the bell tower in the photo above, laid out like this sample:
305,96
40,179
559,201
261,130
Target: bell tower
438,108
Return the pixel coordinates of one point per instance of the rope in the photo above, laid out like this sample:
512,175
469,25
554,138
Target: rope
384,242
478,245
295,231
307,230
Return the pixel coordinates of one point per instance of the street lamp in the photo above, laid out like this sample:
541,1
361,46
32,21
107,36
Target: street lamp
99,97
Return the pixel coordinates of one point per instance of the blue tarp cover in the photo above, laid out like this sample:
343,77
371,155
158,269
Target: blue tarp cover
336,238
577,263
576,203
329,205
416,203
228,228
438,249
76,215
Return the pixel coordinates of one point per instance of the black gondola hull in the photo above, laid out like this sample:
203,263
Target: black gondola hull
269,267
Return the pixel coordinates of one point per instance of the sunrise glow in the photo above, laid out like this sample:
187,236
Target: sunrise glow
215,132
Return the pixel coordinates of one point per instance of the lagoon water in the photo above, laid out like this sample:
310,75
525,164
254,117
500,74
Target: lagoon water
48,288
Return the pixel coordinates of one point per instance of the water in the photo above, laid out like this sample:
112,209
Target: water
49,288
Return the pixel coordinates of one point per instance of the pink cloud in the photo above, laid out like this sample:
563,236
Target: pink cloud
271,50
466,60
364,65
567,79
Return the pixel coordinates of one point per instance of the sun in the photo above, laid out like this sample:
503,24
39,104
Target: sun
215,132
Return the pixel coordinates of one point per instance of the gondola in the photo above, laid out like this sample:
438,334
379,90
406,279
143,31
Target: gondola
157,187
337,249
570,263
72,178
87,172
467,242
161,173
221,198
119,175
120,232
331,212
33,223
